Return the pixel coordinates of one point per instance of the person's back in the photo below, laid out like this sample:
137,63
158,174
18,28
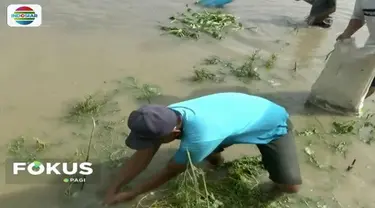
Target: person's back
226,119
233,117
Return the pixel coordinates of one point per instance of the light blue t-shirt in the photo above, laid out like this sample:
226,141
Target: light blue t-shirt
227,118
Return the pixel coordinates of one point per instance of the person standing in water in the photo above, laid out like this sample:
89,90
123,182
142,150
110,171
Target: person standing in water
206,126
364,13
320,12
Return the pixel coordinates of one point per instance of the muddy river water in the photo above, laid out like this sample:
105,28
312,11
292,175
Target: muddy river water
85,46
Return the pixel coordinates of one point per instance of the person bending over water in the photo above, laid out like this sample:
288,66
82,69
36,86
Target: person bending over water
206,126
364,12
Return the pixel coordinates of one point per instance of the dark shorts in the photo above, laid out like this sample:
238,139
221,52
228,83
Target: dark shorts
321,6
280,159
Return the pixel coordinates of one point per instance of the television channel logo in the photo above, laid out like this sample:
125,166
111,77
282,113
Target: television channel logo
24,15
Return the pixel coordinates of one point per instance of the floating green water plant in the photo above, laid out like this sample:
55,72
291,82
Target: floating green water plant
180,32
341,147
215,60
307,132
191,24
246,71
212,60
88,106
343,127
255,56
206,75
92,105
270,62
143,91
25,149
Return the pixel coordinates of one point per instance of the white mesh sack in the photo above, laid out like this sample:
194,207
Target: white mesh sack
343,84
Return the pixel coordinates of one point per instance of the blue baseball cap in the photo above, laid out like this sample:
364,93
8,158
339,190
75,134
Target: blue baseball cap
148,124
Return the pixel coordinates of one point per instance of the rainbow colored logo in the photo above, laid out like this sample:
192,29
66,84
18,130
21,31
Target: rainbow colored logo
24,15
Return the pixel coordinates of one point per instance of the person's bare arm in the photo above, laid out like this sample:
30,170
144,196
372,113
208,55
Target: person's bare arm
353,26
355,23
133,167
170,171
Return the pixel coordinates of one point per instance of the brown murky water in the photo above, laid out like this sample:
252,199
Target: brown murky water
84,45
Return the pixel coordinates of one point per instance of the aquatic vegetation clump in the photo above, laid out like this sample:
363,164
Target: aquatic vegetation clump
215,60
340,148
270,62
191,24
212,60
307,132
255,56
143,91
204,75
239,188
343,127
91,105
27,150
246,71
180,32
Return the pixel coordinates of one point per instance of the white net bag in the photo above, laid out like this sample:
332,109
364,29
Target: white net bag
343,84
